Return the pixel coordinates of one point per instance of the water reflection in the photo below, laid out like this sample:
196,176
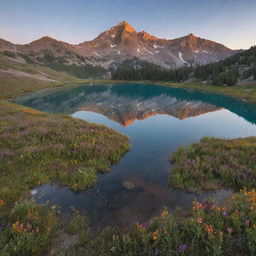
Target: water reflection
125,103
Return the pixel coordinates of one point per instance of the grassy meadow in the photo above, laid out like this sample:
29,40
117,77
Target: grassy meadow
215,163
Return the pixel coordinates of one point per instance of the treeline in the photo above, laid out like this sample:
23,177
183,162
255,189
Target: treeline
227,72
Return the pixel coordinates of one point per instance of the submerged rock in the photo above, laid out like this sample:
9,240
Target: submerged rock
33,192
128,184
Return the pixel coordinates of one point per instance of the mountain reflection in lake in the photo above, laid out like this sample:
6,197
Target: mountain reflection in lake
157,120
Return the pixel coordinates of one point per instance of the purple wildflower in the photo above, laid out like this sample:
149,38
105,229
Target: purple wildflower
224,214
144,225
183,248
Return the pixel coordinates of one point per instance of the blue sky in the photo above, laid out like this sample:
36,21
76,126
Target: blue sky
231,22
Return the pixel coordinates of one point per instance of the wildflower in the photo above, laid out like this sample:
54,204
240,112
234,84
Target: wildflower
156,252
208,228
199,220
197,205
1,202
247,222
164,213
15,226
208,205
18,227
183,248
165,232
229,230
155,235
140,227
224,213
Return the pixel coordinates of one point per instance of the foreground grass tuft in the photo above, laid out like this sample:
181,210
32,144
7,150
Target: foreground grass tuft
76,224
215,163
29,229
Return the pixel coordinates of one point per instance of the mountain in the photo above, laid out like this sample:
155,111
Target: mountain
120,45
237,69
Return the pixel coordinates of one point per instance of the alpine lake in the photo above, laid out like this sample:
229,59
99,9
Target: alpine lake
158,120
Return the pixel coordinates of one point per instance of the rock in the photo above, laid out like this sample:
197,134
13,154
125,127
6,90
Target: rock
128,185
33,192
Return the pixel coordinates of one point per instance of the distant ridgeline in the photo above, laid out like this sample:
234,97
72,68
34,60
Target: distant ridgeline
239,68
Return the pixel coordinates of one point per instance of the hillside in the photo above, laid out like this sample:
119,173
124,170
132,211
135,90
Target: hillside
18,77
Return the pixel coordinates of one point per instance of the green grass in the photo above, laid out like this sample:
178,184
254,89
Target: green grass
76,224
215,163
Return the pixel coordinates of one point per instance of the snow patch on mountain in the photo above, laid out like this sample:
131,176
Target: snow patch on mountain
181,58
158,46
146,50
97,54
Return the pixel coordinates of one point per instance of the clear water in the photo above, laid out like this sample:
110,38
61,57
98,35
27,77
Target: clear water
157,120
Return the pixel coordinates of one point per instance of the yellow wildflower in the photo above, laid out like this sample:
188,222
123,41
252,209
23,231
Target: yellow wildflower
164,213
155,235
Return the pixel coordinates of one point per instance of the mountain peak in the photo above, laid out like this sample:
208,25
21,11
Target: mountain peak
122,23
126,27
44,39
191,36
47,38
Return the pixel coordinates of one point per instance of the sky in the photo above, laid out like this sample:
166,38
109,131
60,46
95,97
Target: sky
230,22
